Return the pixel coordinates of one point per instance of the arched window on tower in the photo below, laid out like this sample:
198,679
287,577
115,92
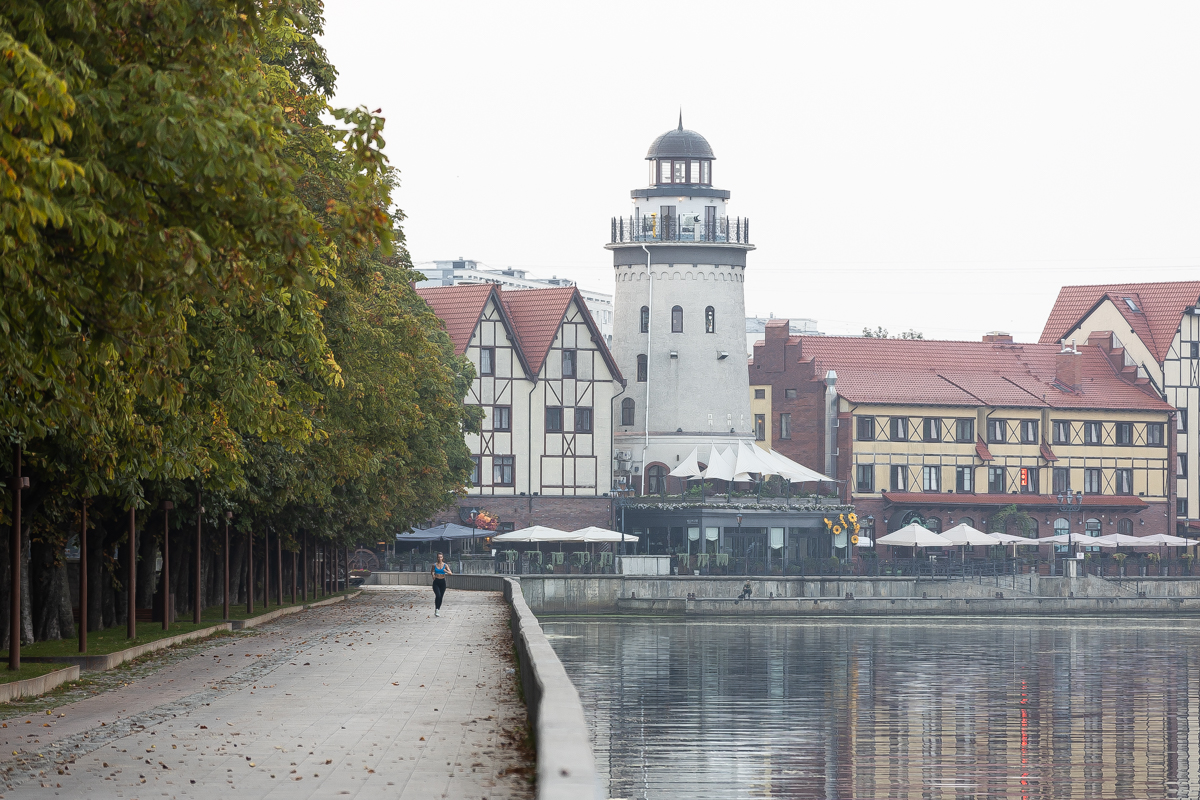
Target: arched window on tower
641,369
710,320
677,319
627,411
645,319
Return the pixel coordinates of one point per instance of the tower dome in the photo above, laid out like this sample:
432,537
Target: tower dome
680,143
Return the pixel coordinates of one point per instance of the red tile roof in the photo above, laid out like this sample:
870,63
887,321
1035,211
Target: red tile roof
533,318
536,315
1160,307
982,451
954,499
942,373
459,308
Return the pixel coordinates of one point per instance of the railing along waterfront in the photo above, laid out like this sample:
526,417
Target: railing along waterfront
680,228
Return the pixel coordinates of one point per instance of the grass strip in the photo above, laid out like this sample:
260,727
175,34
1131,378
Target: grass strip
107,641
213,613
28,670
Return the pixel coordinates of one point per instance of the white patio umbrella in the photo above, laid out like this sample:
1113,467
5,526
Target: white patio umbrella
1015,541
536,533
1074,538
1124,540
1008,538
1160,539
594,534
914,535
963,534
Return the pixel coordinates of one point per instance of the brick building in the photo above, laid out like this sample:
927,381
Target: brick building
546,381
946,432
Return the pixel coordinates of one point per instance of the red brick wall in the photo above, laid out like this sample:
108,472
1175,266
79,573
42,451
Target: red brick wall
779,365
564,513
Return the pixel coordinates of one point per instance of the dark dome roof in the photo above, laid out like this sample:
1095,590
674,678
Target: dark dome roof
680,143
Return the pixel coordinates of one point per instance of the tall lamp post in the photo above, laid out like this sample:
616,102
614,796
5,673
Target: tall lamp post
1068,504
474,514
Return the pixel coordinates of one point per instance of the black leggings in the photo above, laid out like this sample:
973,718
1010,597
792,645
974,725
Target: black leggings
439,590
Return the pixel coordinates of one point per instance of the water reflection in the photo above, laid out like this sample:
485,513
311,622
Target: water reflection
855,709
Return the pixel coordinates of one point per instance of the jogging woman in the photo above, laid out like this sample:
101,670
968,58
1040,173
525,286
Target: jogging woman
440,570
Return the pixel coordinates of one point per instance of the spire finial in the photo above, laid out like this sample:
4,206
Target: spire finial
681,118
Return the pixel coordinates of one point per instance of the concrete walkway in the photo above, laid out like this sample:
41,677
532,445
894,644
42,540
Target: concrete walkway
370,698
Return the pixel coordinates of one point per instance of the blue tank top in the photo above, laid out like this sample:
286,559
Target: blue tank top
439,570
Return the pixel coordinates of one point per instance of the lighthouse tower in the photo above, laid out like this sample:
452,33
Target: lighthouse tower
679,315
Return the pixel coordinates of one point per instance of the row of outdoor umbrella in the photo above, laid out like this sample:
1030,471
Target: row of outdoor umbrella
914,535
536,533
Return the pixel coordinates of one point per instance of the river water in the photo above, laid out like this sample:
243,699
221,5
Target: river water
925,709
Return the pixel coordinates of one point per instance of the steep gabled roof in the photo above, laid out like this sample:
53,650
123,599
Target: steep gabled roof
537,315
1004,375
1160,307
533,318
459,308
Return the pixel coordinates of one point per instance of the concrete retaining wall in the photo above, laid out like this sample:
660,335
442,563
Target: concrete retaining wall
916,607
566,765
592,594
32,687
110,660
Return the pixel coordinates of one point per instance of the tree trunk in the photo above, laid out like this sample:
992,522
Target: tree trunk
147,576
109,599
26,606
5,583
237,568
95,598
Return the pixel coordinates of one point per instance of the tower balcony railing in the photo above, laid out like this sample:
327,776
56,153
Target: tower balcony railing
680,228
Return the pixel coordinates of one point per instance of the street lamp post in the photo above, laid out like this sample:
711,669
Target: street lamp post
474,514
1068,504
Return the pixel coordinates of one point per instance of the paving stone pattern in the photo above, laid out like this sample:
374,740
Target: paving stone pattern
374,697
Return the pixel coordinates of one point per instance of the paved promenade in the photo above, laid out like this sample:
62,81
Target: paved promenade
370,698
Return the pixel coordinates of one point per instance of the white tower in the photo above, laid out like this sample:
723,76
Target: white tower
679,314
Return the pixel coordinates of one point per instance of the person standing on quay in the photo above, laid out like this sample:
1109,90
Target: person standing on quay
440,570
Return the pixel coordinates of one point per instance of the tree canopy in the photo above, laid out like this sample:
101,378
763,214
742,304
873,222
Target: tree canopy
204,291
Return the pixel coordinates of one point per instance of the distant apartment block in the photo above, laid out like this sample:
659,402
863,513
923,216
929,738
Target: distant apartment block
462,271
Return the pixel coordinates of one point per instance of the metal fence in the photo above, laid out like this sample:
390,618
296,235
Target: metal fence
680,228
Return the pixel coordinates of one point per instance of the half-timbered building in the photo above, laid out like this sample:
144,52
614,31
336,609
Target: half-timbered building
945,432
545,381
1155,329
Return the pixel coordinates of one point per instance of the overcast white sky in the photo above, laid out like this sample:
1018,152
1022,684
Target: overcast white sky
941,166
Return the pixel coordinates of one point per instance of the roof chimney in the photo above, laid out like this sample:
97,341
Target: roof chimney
998,337
1068,367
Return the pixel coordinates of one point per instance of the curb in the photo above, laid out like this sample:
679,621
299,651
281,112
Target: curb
261,619
110,660
39,685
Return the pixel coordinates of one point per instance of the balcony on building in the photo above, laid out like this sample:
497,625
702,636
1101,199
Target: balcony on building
637,229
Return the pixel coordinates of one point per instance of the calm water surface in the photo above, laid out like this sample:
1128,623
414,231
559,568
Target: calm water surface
914,709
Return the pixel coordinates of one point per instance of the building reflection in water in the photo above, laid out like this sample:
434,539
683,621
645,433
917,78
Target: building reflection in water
924,709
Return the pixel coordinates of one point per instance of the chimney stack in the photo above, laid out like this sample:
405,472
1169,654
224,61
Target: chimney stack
1068,367
998,337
